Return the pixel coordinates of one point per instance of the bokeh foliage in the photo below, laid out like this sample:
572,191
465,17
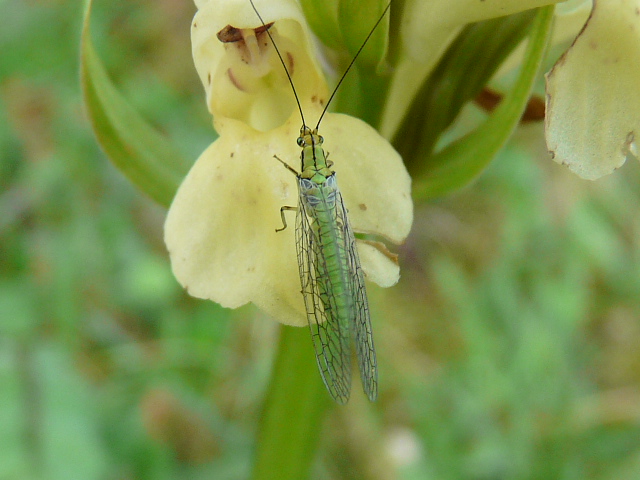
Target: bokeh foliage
508,350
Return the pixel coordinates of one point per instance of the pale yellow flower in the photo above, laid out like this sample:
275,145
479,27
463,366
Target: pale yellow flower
220,230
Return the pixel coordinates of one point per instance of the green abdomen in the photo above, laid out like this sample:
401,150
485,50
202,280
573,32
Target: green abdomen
328,233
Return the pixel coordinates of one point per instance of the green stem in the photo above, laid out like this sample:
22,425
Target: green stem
293,411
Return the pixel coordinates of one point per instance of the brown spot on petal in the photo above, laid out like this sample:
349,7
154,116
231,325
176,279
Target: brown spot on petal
263,28
229,34
231,154
363,207
290,64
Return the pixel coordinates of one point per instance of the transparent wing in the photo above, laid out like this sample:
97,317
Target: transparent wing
330,338
361,319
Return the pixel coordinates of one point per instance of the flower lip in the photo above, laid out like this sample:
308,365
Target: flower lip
220,230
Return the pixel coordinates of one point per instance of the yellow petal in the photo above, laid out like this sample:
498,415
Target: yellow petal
220,229
593,97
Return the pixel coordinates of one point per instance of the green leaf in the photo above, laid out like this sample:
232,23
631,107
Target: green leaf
462,161
145,157
293,411
460,75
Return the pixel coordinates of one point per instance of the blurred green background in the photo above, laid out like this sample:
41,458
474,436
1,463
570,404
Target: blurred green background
509,349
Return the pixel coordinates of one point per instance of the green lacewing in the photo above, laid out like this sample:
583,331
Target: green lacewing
331,277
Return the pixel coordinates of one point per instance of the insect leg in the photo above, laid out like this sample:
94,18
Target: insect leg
287,166
284,220
292,170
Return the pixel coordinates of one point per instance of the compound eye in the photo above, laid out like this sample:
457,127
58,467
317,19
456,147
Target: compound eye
301,142
320,139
